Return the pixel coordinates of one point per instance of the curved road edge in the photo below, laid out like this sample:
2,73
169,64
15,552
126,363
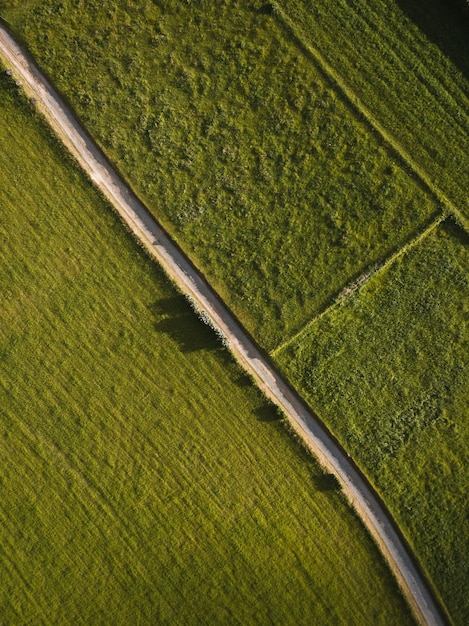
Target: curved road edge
189,280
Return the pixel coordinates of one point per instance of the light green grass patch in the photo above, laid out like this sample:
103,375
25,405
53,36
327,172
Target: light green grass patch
143,479
387,371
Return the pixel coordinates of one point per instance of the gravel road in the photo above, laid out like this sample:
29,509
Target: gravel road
191,282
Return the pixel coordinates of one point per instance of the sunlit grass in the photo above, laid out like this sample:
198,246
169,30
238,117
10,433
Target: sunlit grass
268,175
408,63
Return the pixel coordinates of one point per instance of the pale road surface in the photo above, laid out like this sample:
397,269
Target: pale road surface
191,282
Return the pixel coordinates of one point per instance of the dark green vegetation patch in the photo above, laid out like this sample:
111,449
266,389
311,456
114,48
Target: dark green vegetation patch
387,371
143,479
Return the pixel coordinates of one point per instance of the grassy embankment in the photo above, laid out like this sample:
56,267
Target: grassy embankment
143,478
240,145
408,63
387,371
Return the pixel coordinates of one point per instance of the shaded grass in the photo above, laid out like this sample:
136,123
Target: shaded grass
239,144
142,478
387,371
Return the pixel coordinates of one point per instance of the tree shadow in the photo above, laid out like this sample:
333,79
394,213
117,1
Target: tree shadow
456,231
268,413
445,23
267,9
244,380
326,482
174,317
175,305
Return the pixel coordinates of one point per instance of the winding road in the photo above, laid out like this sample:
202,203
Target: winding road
189,280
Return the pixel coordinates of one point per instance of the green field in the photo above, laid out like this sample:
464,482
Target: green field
408,62
291,148
144,479
239,144
387,371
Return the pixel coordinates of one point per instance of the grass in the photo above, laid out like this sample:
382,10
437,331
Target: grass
144,479
386,370
230,125
240,144
373,45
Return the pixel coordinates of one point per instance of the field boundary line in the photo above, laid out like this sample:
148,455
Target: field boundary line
354,101
351,288
421,597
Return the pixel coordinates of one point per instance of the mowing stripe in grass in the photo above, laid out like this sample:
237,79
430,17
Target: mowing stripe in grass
409,62
8,551
350,289
367,21
338,82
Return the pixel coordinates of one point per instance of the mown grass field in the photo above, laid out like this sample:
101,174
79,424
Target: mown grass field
387,371
143,478
238,142
408,62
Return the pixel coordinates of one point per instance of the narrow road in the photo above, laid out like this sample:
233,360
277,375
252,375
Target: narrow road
192,283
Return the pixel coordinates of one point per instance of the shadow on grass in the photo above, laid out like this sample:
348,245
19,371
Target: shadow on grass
326,482
267,9
268,413
445,23
456,231
174,317
243,381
